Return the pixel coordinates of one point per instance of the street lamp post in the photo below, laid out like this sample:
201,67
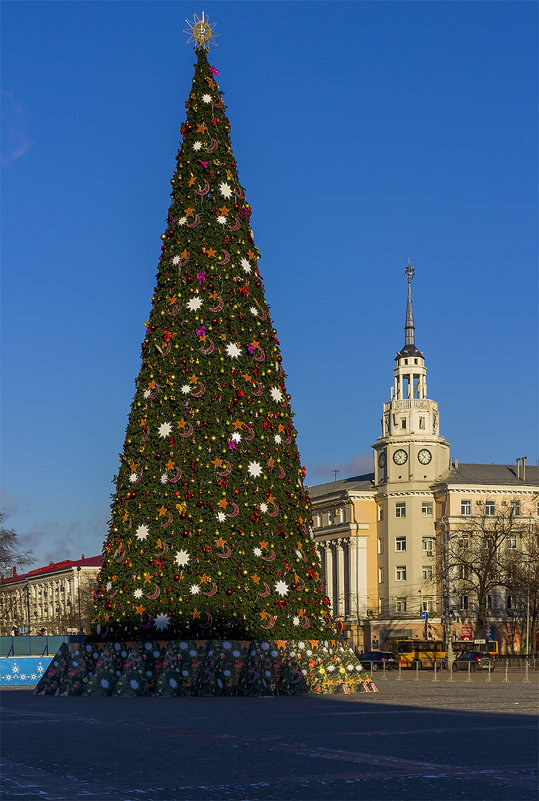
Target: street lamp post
28,608
78,592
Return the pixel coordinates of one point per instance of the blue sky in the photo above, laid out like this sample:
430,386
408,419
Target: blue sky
365,133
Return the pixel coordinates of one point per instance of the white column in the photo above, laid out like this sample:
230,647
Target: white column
355,611
328,564
340,579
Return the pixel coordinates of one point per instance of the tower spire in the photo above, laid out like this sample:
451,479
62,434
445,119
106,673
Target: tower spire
409,328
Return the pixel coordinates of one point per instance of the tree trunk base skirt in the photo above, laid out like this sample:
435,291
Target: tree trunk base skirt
205,668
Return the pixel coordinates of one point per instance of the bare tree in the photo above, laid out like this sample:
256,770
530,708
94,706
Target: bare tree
480,558
10,555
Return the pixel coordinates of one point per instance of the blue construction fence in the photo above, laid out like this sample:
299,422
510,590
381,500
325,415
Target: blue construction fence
23,660
35,645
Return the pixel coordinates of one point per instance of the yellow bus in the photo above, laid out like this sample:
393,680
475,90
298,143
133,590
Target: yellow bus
485,646
423,653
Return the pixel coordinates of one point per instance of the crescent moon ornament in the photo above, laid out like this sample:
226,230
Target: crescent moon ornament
306,625
176,477
269,558
155,594
235,226
169,521
275,511
146,434
212,591
147,625
116,558
139,477
188,431
266,591
301,586
218,103
298,678
174,311
113,594
226,257
185,261
205,189
161,553
195,222
166,350
208,622
282,473
272,621
155,392
250,435
287,441
259,389
214,143
226,554
260,357
209,349
262,312
219,306
235,510
200,391
226,471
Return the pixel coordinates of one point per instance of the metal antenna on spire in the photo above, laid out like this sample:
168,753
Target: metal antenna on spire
409,328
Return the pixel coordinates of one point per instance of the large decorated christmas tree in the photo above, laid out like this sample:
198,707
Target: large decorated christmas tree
209,542
210,521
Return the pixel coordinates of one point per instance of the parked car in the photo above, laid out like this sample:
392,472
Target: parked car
477,660
375,660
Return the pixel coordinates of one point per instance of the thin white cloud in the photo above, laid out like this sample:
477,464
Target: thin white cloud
357,466
15,139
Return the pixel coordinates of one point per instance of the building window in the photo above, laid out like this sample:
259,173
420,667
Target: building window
515,508
400,509
380,603
510,601
427,605
463,571
316,521
400,573
331,517
380,545
380,575
489,602
512,542
426,509
463,603
400,605
403,423
380,512
490,508
421,423
464,541
465,507
400,544
428,545
427,573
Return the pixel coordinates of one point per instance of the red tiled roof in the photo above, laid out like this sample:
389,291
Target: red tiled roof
54,567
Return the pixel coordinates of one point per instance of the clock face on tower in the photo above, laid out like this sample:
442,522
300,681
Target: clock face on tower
400,456
424,456
382,459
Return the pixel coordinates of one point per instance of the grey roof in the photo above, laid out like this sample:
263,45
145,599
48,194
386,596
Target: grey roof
502,474
355,483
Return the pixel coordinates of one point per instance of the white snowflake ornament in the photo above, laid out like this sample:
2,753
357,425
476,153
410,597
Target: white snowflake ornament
162,622
182,558
142,532
225,189
281,587
165,430
254,469
233,350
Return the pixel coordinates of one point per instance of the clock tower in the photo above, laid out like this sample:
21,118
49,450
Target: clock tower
410,448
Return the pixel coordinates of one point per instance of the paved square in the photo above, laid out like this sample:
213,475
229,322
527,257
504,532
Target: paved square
414,740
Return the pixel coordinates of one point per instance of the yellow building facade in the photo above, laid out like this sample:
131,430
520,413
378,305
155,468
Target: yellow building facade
385,538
